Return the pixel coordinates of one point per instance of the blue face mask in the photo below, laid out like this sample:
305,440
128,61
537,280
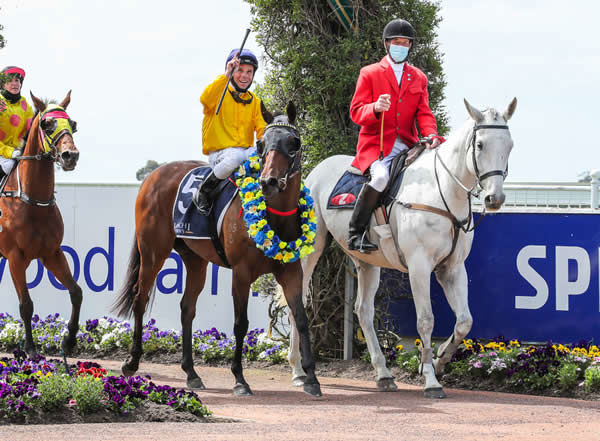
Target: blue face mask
398,53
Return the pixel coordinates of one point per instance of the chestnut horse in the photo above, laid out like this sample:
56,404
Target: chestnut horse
31,224
155,238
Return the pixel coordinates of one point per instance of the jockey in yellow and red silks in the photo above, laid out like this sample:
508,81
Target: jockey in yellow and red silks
15,118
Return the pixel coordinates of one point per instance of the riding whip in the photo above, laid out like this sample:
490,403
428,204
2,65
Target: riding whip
381,138
230,75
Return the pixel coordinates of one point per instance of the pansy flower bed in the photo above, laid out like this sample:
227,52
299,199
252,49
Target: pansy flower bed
33,386
513,366
106,335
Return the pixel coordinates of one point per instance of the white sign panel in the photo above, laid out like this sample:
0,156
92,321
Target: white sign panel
99,233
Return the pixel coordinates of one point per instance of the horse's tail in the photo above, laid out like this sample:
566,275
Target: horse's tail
123,306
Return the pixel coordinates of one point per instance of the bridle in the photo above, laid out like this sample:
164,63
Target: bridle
294,159
465,225
50,154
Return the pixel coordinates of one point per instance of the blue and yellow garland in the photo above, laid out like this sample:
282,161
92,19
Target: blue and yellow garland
255,217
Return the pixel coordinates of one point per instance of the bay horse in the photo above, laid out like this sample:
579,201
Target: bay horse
280,180
429,231
31,223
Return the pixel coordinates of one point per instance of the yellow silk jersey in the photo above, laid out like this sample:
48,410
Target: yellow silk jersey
15,121
235,124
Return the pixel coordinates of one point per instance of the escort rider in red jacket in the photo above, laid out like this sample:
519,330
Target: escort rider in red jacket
398,91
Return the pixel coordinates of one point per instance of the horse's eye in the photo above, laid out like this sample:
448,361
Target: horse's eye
49,125
73,125
260,147
479,145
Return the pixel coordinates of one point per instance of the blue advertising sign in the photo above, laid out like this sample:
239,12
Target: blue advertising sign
532,276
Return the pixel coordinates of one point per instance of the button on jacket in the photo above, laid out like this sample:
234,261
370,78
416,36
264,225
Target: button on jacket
236,123
409,104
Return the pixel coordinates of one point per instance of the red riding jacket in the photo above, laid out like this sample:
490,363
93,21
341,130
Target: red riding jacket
409,104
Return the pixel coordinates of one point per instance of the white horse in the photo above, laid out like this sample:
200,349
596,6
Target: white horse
430,229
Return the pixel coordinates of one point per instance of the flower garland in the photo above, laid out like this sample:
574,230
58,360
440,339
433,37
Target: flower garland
255,217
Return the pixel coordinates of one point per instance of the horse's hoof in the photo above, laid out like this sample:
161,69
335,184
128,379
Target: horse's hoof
242,390
386,385
313,389
126,370
435,392
299,381
196,383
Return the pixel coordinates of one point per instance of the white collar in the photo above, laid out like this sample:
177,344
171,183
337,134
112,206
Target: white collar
397,67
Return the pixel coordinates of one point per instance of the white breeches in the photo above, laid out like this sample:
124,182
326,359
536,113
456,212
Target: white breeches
7,164
380,169
224,162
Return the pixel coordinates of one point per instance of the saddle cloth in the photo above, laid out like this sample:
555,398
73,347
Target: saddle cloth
346,190
187,221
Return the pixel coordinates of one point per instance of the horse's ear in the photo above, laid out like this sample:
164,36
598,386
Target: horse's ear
291,112
473,112
508,113
40,106
66,101
266,114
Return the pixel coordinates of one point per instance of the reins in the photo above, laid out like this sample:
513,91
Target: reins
458,225
50,155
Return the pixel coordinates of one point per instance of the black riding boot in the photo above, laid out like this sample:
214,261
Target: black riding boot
361,216
203,197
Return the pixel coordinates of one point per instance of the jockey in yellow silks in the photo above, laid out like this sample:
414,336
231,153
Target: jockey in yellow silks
15,118
228,138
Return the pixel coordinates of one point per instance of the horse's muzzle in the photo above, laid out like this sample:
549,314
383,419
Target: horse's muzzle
68,159
269,186
493,203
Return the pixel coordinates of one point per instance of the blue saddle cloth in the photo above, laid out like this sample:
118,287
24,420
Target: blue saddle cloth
187,221
346,191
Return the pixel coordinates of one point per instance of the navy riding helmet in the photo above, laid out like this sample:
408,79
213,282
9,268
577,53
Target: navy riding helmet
246,57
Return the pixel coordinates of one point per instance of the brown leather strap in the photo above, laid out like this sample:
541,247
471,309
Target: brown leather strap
455,223
431,209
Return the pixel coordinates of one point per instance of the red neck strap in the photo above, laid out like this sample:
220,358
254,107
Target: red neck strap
282,213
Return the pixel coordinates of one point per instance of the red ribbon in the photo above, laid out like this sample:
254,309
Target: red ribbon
282,213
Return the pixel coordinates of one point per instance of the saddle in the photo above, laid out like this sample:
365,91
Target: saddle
346,190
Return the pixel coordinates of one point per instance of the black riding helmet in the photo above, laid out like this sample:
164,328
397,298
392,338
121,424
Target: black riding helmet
398,28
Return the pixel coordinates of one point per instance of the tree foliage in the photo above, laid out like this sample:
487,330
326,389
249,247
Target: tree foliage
312,60
143,172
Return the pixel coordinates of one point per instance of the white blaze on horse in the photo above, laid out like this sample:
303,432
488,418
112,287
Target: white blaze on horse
430,222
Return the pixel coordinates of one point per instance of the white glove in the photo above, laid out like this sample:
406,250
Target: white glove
16,153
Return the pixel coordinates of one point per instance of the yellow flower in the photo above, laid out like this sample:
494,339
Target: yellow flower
248,196
262,206
310,235
282,244
298,243
302,201
306,250
270,234
2,363
399,347
304,214
39,374
262,223
278,256
305,228
418,342
238,182
248,181
288,256
469,347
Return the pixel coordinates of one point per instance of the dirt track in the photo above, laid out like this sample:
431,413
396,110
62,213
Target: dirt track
348,410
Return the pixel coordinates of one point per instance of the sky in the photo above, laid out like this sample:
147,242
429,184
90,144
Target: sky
137,68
